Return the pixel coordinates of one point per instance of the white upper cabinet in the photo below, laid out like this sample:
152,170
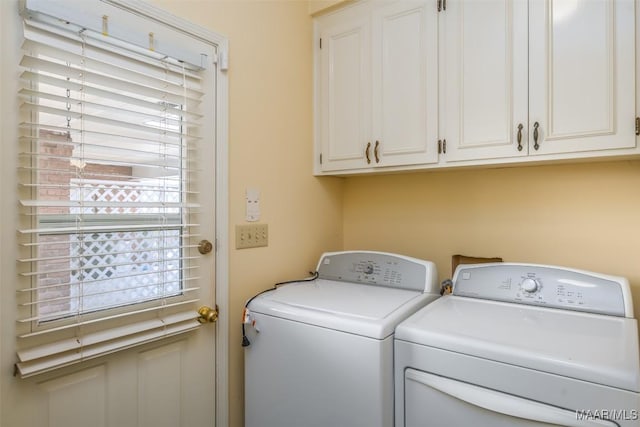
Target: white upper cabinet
582,75
344,89
405,83
483,81
483,76
377,88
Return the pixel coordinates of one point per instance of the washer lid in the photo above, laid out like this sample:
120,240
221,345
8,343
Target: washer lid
367,310
591,347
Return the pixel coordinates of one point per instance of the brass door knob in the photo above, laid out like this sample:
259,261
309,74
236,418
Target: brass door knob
207,314
205,246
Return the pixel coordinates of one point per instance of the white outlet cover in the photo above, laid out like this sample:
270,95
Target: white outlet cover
253,204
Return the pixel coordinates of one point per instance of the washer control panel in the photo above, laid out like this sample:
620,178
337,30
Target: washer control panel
379,268
547,286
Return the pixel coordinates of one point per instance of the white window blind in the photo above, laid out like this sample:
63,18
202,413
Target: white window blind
107,258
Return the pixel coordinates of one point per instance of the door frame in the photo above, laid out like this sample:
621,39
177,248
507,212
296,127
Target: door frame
221,164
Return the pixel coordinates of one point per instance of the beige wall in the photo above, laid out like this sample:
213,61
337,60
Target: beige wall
584,216
270,146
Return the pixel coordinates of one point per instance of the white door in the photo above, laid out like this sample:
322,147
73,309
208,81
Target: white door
405,83
344,89
582,75
168,382
483,77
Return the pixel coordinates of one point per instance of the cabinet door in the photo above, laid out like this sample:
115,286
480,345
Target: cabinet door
344,88
483,79
405,82
582,65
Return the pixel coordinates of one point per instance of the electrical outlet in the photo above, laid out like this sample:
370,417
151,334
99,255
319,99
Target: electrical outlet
252,236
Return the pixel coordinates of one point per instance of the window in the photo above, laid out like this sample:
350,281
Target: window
108,211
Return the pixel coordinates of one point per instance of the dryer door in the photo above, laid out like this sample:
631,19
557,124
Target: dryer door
439,401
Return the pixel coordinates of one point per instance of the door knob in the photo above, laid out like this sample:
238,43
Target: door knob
207,314
205,246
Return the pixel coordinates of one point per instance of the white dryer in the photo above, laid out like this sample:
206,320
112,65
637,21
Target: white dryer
521,345
321,351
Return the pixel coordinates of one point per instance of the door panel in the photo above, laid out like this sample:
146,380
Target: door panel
158,404
345,103
583,99
484,79
405,88
77,399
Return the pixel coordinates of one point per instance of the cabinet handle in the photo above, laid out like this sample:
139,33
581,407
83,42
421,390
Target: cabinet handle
366,152
535,135
520,137
375,151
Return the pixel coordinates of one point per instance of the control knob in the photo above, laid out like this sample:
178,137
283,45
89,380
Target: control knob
530,285
368,269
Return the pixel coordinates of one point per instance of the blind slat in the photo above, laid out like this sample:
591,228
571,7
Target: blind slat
168,164
105,228
75,257
88,295
122,82
69,187
126,114
98,204
35,108
58,360
91,282
40,244
67,45
155,308
96,174
102,336
31,77
99,266
101,136
160,167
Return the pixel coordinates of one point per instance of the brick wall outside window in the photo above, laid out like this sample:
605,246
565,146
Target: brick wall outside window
55,176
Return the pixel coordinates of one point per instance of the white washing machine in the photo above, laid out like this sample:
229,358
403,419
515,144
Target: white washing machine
521,345
321,351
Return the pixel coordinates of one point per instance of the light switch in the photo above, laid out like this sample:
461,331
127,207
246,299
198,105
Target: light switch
252,235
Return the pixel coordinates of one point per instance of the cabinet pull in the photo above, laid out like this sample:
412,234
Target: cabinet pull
366,153
375,151
439,146
520,137
535,135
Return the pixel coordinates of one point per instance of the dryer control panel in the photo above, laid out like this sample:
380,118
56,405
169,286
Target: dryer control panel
379,268
546,286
